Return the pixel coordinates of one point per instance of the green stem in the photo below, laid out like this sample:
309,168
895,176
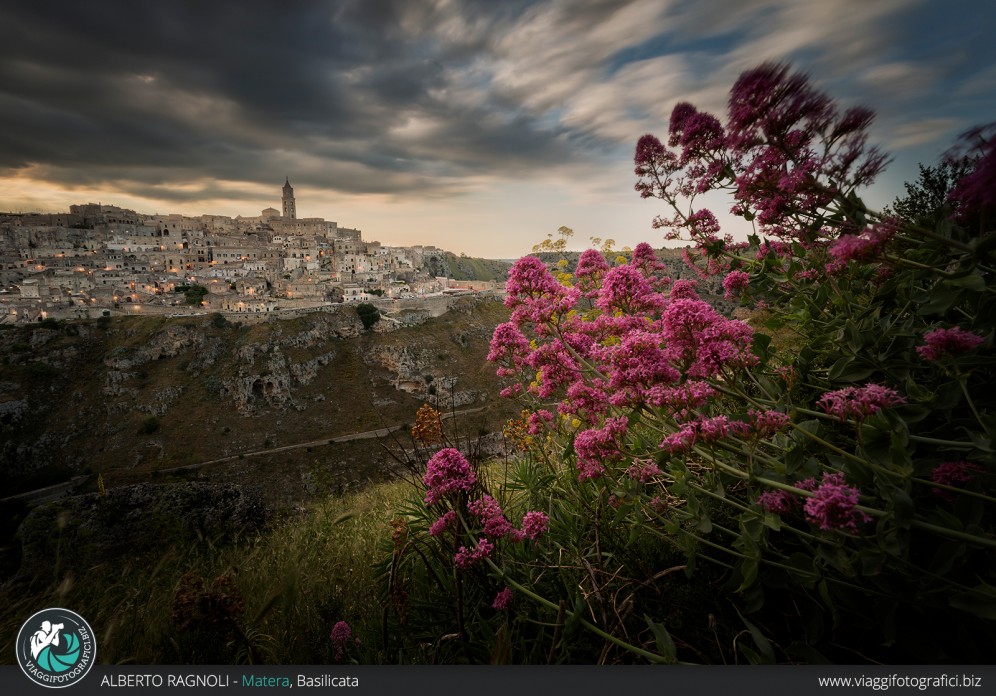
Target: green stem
946,443
653,657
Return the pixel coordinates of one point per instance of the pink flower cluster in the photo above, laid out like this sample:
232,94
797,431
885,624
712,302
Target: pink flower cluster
340,637
443,523
643,471
503,600
862,247
767,422
705,430
953,474
832,505
735,284
496,525
859,402
785,151
947,342
596,446
447,472
465,557
488,511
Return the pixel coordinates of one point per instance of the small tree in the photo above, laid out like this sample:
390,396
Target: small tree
368,314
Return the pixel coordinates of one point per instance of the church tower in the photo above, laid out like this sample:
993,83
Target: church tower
290,209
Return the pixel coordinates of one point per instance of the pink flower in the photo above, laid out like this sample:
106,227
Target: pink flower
538,420
778,501
735,284
467,557
534,525
942,342
643,471
953,474
684,290
627,289
598,445
442,524
860,247
447,472
859,402
768,422
975,193
592,267
340,635
832,505
508,343
488,511
503,600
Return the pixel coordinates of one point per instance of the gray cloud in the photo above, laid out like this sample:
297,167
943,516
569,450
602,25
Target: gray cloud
424,98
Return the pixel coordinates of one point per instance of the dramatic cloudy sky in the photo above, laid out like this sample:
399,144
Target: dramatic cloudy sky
476,125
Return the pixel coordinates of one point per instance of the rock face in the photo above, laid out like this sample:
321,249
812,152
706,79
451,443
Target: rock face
90,529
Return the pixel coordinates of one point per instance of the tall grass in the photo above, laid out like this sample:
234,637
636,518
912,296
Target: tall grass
282,591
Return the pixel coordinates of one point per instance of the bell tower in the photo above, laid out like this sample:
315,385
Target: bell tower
290,209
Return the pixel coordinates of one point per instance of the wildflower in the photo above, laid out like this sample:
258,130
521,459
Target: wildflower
489,512
942,342
643,471
859,402
538,419
597,445
508,343
973,194
768,422
503,600
442,524
735,284
534,525
340,635
779,502
447,472
953,474
591,268
467,557
861,247
832,505
627,289
684,290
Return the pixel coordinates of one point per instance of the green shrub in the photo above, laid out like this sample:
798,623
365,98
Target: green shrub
149,425
368,314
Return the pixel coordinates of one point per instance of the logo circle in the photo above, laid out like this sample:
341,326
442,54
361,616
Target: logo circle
56,648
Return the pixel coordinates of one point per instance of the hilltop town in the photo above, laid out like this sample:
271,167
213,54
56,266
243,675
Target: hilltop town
101,260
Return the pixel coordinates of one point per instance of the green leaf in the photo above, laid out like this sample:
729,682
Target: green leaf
979,601
938,301
974,281
849,369
665,644
811,655
855,341
760,347
762,643
748,568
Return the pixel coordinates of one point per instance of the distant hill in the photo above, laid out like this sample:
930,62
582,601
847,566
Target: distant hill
448,264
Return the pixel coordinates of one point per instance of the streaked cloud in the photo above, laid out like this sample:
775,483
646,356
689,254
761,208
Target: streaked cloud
201,107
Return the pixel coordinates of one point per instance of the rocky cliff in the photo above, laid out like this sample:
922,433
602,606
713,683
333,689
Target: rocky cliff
140,398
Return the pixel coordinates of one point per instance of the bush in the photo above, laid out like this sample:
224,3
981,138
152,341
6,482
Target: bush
841,488
368,314
149,425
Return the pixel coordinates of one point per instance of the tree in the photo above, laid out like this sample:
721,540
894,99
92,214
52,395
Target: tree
368,314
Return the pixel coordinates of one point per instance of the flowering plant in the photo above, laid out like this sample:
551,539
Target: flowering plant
803,445
818,466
